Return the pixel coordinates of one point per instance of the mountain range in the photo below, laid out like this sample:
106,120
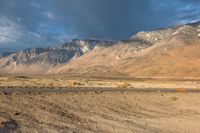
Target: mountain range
169,52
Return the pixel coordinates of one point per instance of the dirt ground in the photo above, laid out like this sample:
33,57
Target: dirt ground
104,112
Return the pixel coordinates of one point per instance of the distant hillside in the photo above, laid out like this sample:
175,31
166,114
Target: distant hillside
3,54
40,60
101,60
175,56
170,52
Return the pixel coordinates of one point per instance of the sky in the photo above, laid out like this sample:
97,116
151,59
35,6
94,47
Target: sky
41,23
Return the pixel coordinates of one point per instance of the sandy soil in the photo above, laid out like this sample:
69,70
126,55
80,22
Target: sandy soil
105,112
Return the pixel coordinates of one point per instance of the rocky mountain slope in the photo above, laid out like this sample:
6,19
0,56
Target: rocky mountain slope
105,60
175,56
101,60
171,52
40,60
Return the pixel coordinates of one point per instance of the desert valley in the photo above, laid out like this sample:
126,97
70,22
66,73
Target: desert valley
147,83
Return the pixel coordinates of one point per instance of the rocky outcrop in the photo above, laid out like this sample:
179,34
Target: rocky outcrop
152,37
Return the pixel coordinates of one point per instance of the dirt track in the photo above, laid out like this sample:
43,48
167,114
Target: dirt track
92,89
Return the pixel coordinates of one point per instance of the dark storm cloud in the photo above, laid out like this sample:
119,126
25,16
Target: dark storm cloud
33,23
105,18
119,19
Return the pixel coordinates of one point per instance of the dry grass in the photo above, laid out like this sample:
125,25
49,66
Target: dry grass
125,85
181,90
33,81
48,82
63,82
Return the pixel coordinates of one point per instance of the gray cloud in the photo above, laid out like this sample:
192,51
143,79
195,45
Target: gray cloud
104,18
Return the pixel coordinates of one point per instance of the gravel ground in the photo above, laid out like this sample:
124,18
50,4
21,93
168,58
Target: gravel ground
100,112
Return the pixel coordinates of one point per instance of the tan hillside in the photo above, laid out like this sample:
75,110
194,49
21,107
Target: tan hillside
101,60
169,60
175,55
41,60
